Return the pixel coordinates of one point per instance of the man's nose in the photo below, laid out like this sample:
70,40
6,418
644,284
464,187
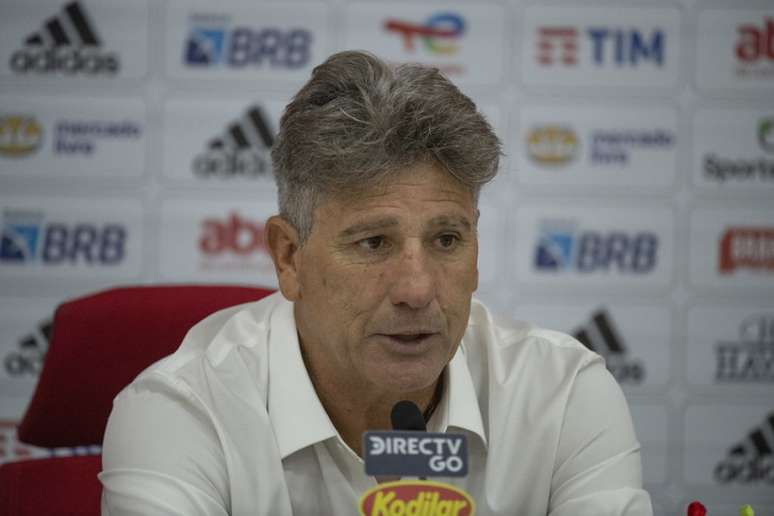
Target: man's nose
414,278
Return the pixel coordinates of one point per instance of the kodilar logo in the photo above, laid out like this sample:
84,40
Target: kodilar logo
212,42
751,461
243,151
751,357
561,246
601,335
20,135
68,44
420,498
750,248
438,34
552,145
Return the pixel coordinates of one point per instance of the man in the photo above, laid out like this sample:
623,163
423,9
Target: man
263,407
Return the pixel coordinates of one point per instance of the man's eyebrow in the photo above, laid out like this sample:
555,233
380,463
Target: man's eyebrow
369,225
451,220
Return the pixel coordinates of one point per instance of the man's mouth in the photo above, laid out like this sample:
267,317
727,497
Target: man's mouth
410,337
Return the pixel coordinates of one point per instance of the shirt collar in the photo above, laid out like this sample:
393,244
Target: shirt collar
298,417
459,406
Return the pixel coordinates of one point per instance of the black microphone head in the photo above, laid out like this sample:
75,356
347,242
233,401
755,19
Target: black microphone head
406,415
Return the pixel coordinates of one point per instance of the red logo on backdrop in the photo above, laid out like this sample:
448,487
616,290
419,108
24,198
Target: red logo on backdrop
756,43
234,235
557,45
748,248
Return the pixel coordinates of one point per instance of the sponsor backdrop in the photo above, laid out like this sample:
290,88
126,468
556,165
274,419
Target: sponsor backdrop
634,209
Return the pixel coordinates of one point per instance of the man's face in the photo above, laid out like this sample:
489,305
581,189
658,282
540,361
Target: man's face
385,282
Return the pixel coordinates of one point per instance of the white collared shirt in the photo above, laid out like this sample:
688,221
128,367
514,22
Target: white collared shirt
231,424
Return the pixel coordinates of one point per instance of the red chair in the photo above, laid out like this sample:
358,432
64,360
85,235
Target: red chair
99,344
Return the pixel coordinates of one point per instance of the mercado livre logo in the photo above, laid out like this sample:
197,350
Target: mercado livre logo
416,498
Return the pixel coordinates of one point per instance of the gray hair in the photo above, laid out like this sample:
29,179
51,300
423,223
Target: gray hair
359,120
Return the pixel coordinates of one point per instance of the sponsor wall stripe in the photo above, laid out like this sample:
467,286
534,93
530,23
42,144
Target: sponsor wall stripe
259,122
81,23
239,136
610,336
583,337
34,39
217,143
57,33
760,444
596,336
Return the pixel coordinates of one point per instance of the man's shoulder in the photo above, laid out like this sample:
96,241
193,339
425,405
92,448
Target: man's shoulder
215,343
515,344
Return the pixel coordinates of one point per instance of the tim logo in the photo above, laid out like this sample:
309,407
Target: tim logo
750,462
20,135
557,45
751,358
618,47
438,35
552,145
243,151
750,248
28,238
754,50
28,358
600,335
213,42
561,246
67,44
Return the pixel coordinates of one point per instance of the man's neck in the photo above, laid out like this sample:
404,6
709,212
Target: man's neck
355,409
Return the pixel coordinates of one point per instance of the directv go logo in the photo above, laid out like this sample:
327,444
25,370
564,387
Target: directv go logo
438,34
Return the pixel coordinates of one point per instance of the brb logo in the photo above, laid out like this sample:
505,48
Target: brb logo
751,461
562,247
212,42
558,45
243,151
28,238
751,358
68,44
438,34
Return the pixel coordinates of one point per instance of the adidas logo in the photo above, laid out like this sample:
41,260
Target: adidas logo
242,151
752,460
28,359
601,336
67,44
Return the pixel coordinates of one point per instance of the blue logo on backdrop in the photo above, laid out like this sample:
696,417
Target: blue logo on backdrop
28,238
626,47
561,246
212,41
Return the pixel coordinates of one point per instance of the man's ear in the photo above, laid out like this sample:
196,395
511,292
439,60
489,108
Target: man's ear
284,245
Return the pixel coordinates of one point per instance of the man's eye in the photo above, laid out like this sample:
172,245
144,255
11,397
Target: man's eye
373,243
447,241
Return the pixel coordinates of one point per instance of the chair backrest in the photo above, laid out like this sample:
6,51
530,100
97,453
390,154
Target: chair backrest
100,342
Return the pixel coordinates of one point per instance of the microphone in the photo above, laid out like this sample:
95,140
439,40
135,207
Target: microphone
410,450
406,415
